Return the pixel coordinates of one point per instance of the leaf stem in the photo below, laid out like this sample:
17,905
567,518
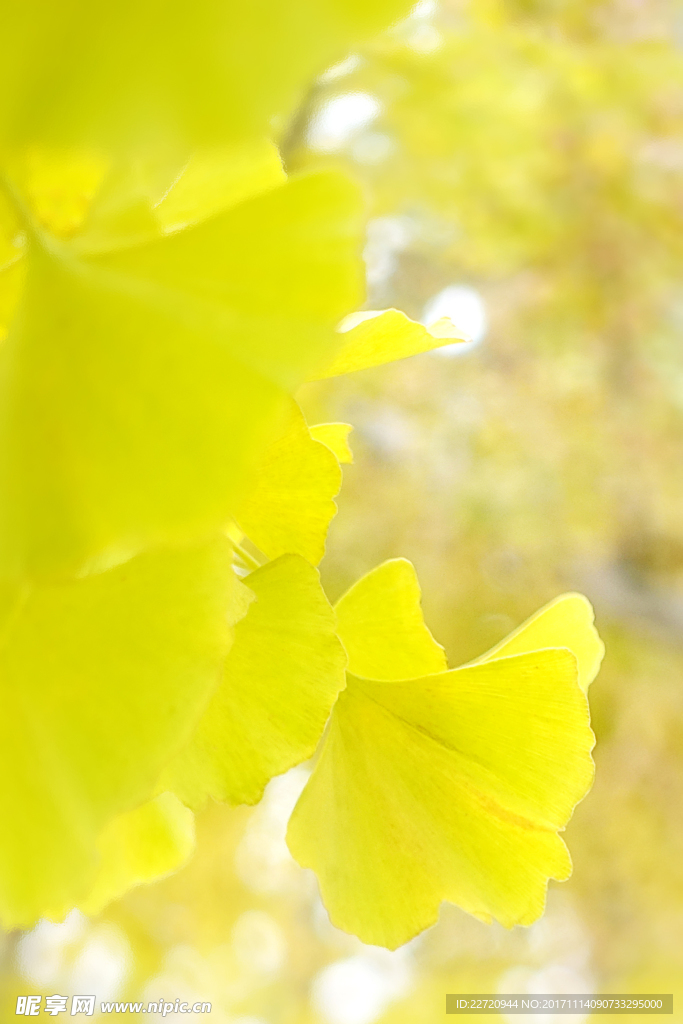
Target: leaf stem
249,560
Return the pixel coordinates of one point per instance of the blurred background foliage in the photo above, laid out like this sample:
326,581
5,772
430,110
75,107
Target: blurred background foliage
523,166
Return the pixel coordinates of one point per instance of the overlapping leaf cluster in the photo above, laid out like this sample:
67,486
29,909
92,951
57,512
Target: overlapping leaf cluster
164,290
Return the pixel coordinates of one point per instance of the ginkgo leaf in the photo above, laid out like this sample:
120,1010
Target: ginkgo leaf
370,339
380,623
289,506
11,285
281,678
58,183
302,239
122,212
12,240
142,197
215,179
336,437
103,680
449,787
138,386
199,73
565,622
139,846
10,231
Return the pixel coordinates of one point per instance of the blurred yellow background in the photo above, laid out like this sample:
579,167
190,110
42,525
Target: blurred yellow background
523,165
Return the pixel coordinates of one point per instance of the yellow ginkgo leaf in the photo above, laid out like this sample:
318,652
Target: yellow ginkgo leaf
379,621
215,179
336,437
138,386
57,183
370,339
450,787
103,679
281,678
12,241
139,846
565,622
290,504
121,214
11,284
199,72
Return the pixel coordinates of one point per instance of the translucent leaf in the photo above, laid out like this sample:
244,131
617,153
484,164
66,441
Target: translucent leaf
281,679
450,787
290,504
139,846
379,621
335,436
200,72
11,282
122,213
103,679
12,240
10,231
215,179
58,183
381,338
565,622
286,260
148,434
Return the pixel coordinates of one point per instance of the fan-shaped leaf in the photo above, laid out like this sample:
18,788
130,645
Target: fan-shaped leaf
103,679
140,846
335,436
290,504
451,787
379,621
137,386
565,622
193,73
370,339
280,681
215,179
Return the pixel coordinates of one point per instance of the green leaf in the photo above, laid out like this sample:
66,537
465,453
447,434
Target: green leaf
450,787
103,680
371,339
290,504
335,436
565,622
379,621
137,387
280,681
140,846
